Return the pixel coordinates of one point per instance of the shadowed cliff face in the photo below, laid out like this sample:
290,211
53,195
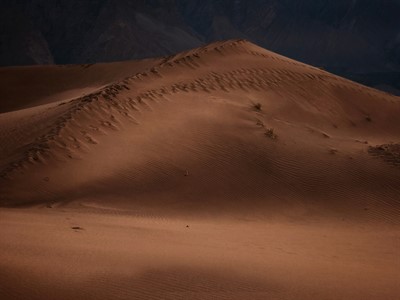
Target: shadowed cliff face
355,38
93,31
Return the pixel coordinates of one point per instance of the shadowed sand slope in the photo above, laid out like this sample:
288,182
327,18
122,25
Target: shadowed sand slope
286,169
24,87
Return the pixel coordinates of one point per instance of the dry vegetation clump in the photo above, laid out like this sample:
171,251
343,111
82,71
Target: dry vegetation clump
257,106
269,132
388,152
260,123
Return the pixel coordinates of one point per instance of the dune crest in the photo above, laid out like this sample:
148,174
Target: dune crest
219,111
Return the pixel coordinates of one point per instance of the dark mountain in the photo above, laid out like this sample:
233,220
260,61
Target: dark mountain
356,38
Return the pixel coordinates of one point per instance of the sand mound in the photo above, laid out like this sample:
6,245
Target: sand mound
250,128
225,172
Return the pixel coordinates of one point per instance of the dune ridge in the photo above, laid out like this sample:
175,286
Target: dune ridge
310,105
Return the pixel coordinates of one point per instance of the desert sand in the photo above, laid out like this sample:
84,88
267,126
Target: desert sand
224,172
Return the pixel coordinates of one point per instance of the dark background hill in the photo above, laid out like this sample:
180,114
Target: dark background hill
359,39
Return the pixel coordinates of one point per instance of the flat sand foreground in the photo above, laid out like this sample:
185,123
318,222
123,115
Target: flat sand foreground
119,255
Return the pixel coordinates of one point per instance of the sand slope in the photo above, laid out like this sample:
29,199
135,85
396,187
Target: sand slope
256,149
24,87
127,257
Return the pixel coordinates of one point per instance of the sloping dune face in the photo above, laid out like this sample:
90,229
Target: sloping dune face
228,127
25,87
225,172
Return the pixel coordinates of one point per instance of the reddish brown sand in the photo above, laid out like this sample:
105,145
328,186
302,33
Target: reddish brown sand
226,172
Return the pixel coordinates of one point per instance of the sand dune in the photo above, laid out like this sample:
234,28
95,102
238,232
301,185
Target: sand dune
281,169
24,87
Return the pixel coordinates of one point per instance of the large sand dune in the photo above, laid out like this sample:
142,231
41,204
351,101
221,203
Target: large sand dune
288,178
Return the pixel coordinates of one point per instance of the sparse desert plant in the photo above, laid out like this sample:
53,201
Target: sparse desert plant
270,133
257,106
260,123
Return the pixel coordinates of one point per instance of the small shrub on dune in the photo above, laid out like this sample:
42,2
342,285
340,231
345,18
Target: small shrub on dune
260,123
257,106
270,133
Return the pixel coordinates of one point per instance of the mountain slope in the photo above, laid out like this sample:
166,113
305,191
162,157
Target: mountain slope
94,31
